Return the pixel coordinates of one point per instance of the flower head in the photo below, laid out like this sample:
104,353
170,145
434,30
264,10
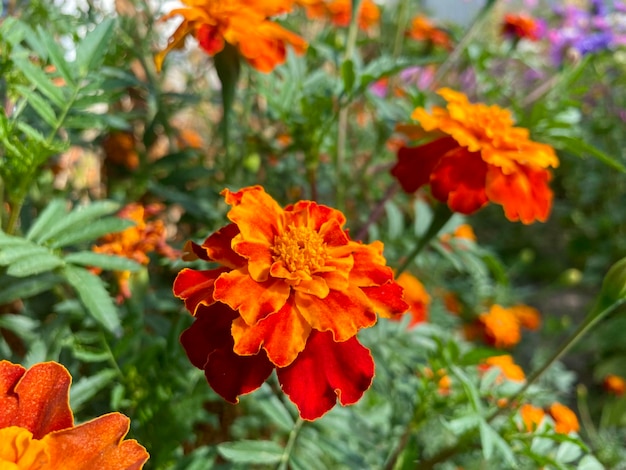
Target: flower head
479,157
422,29
416,296
565,420
340,11
292,282
614,384
531,416
507,366
522,26
37,428
244,24
501,327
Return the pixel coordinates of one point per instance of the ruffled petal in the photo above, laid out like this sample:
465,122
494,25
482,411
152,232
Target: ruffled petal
459,181
524,194
343,313
209,345
254,300
369,265
38,400
196,287
387,299
96,444
314,216
258,257
415,164
219,247
324,371
283,335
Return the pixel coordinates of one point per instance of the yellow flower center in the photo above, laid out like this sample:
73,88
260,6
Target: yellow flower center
19,451
300,249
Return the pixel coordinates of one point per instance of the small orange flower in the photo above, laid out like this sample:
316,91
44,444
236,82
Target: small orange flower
481,157
422,29
244,24
565,420
521,26
462,232
340,11
120,148
614,384
531,416
292,291
501,327
416,296
136,242
37,430
529,317
509,369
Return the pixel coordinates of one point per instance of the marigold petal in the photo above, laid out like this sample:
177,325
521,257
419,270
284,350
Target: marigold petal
369,265
459,181
175,42
342,312
19,451
37,400
283,335
387,299
324,371
316,216
259,257
209,346
254,300
524,194
415,164
96,444
196,287
219,247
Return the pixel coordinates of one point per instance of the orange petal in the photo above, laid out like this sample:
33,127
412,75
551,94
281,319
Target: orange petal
283,335
387,299
315,216
324,371
38,400
19,451
219,247
258,255
196,287
254,300
342,312
369,265
97,444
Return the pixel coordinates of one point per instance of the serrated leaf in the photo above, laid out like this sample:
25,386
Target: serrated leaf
251,452
94,296
54,211
41,106
110,262
275,410
21,325
91,50
23,288
41,80
87,387
490,440
91,232
12,253
56,56
34,263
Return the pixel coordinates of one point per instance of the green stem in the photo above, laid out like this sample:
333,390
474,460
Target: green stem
293,436
440,218
378,211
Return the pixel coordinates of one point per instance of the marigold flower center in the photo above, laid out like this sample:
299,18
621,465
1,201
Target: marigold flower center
18,450
300,249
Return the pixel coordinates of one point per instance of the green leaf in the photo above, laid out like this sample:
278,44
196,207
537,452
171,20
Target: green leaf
110,262
34,263
41,80
87,387
580,148
395,220
91,50
22,326
491,440
23,288
56,56
251,452
54,212
92,231
94,296
275,409
41,106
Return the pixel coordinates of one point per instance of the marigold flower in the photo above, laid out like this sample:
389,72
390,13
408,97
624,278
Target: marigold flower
416,296
136,242
481,157
501,327
37,430
521,26
120,149
292,282
422,29
531,416
509,369
340,11
614,384
529,317
565,420
244,24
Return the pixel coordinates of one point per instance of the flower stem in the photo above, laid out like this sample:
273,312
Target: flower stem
440,218
293,436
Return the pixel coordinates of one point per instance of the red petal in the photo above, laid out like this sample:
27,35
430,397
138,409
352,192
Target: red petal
415,164
36,399
459,180
387,299
324,371
196,287
369,265
219,247
97,444
210,39
209,346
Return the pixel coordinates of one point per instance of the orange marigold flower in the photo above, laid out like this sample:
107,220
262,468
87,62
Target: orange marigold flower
137,241
481,157
120,148
529,317
565,420
291,293
509,369
501,327
521,26
244,24
422,29
340,11
531,416
37,428
416,296
614,384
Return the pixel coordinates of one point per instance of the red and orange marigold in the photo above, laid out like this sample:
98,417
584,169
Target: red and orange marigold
478,156
37,430
521,26
507,366
614,384
416,296
340,12
291,294
565,420
532,416
423,29
244,24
